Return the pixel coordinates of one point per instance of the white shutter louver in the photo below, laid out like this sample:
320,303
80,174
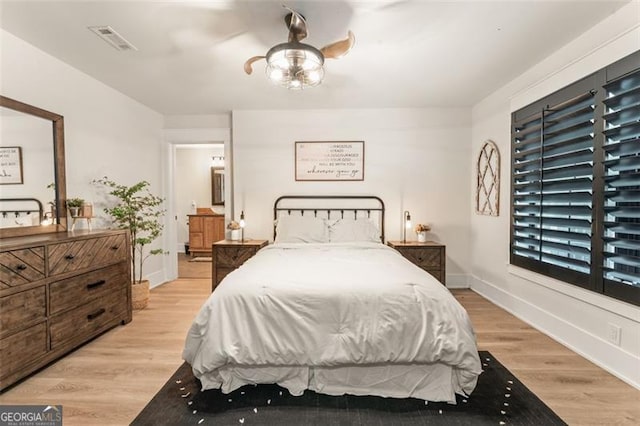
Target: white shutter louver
622,181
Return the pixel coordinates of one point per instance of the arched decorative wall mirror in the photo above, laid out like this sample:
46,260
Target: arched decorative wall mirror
32,170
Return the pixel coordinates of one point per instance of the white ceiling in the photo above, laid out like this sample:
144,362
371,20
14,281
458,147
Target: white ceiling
408,53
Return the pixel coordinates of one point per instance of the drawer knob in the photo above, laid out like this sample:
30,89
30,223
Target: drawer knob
95,285
69,257
96,314
115,247
419,259
21,267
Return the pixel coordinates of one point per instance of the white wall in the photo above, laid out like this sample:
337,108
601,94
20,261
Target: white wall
571,315
106,133
415,159
193,184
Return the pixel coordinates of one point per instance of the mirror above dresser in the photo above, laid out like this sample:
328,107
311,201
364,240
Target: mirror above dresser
32,170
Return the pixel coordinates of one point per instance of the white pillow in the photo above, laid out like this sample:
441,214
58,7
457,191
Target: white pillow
301,229
354,230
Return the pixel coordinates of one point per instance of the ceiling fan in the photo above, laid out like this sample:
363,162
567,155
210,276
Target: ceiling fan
297,65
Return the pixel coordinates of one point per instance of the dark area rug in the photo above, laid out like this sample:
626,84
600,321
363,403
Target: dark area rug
499,399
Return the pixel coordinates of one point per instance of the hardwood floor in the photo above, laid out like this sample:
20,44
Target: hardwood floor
576,389
109,380
189,268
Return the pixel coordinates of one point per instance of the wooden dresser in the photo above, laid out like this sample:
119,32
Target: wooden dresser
204,230
229,255
429,255
57,291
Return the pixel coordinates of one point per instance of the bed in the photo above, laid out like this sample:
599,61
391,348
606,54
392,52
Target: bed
20,212
328,307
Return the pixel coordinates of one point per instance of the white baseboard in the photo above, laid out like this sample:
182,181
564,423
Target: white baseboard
156,279
457,281
609,357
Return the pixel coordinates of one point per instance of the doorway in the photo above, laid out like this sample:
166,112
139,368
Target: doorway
190,154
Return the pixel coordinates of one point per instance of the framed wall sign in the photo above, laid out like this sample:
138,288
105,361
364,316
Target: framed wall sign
10,165
329,161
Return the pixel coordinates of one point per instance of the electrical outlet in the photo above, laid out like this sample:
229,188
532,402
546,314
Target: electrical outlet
614,334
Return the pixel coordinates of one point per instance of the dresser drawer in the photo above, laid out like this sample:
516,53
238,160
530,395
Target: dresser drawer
65,294
87,320
232,257
22,309
19,349
425,257
80,254
18,267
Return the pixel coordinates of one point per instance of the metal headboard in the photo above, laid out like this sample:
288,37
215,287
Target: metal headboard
21,202
335,206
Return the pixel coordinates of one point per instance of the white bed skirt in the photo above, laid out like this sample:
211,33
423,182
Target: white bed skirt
433,382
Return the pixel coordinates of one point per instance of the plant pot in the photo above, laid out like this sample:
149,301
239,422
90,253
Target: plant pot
422,237
235,234
75,211
140,295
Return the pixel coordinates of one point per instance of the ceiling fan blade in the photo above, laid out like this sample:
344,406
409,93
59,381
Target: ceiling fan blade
339,48
297,25
247,65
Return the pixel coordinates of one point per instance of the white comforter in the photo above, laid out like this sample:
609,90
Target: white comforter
298,306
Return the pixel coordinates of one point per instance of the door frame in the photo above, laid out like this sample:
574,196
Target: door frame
180,137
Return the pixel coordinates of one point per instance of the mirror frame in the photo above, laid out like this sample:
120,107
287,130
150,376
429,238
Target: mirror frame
217,189
57,122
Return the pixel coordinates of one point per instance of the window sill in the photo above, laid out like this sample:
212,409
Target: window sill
599,300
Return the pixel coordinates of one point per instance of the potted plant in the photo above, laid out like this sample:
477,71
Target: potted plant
139,211
234,227
74,205
421,231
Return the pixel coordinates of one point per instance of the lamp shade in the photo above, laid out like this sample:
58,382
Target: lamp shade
406,217
295,65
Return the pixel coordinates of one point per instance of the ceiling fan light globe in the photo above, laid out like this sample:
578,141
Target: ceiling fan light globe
276,74
314,76
295,65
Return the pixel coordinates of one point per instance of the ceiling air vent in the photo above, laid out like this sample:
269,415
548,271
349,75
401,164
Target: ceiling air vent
110,35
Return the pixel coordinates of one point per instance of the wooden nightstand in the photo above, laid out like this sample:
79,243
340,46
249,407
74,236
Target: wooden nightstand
228,255
429,255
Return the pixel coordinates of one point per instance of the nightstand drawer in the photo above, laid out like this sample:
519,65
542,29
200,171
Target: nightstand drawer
229,255
425,257
429,256
436,273
221,273
232,257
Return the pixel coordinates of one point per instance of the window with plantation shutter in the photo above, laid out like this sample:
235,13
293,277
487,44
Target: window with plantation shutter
575,187
552,188
621,251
